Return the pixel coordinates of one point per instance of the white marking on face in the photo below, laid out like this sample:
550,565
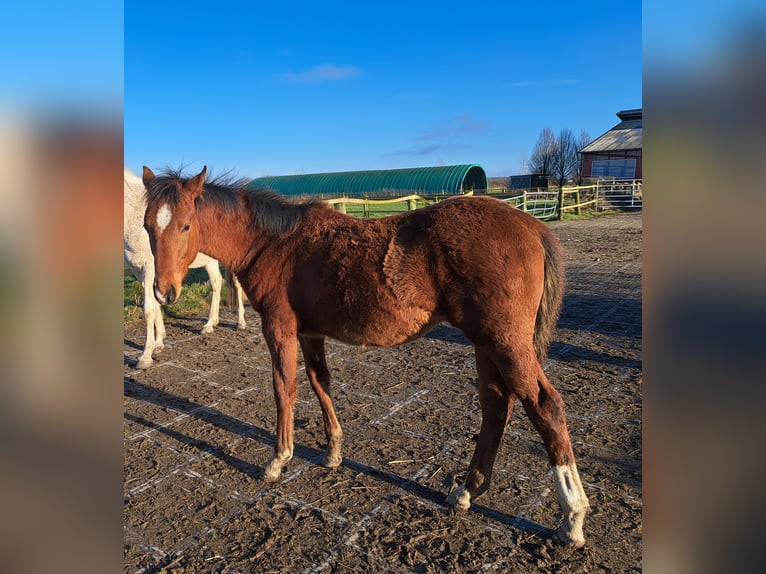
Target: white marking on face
159,296
164,214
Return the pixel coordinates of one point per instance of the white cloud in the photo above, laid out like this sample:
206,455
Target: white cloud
544,83
323,73
455,127
450,135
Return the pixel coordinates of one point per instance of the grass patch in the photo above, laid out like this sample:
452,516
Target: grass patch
194,301
376,211
133,298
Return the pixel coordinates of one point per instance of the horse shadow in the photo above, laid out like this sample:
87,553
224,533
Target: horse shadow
587,312
575,353
557,351
132,344
448,334
307,453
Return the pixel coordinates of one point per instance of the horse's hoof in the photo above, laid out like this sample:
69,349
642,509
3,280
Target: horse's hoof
332,461
459,498
207,329
144,363
241,326
271,476
272,472
568,538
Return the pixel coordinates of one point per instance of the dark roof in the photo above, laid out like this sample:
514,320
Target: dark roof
447,179
626,135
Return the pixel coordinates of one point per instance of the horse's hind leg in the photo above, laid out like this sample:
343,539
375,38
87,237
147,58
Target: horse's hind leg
545,409
319,376
216,281
496,407
505,375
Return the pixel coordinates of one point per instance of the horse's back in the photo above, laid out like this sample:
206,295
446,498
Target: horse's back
473,217
383,282
479,238
481,260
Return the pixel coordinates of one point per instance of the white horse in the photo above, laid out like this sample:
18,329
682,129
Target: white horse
138,256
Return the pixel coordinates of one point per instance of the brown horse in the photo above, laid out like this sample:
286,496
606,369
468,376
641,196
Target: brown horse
310,272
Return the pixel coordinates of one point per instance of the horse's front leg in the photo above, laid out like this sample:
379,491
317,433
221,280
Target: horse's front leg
283,346
155,327
319,377
241,323
216,282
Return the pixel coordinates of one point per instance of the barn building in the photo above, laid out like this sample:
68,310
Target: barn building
617,153
439,180
528,181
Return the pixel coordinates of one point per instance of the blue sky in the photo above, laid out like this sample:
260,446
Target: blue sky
284,88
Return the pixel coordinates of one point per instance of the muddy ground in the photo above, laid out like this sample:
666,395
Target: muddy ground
199,425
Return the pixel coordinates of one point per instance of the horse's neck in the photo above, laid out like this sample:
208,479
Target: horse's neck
227,236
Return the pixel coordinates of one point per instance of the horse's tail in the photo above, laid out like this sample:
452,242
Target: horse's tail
553,295
231,298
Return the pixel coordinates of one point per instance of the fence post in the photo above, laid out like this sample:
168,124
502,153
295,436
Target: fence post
561,202
411,205
524,202
577,199
598,191
341,206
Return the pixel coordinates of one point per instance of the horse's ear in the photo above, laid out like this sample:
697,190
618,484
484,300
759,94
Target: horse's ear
148,175
195,184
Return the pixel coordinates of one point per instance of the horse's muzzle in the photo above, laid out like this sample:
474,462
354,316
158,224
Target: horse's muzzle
167,298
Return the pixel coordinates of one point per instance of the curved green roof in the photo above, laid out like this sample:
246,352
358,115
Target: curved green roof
446,180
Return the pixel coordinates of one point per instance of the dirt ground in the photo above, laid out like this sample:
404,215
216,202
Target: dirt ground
199,426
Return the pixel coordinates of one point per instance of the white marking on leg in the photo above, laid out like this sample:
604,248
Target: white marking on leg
574,504
570,488
273,470
164,214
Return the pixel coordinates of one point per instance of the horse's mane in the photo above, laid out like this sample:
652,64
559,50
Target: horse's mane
271,211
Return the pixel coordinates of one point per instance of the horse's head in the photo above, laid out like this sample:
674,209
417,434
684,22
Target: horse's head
171,221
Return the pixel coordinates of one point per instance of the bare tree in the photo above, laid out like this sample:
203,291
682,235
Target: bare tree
582,142
541,161
565,157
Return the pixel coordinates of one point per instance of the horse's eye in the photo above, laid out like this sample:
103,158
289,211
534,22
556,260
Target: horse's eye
185,228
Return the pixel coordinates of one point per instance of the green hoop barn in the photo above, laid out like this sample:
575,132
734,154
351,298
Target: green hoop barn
440,180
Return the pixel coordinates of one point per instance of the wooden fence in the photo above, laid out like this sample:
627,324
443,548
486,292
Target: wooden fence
396,203
541,203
